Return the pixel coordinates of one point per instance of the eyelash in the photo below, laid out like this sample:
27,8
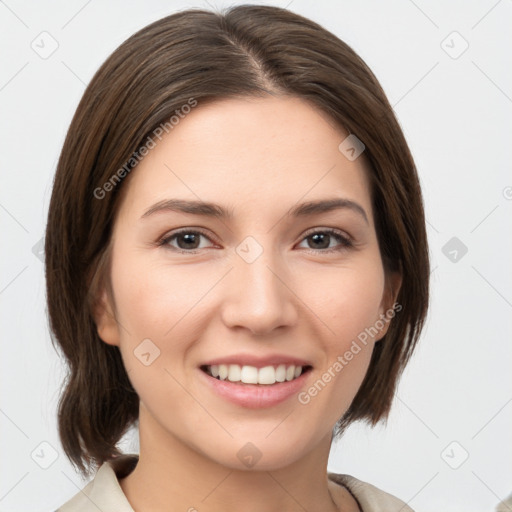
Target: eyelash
345,242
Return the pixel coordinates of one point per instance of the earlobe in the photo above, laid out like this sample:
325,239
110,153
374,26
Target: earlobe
105,320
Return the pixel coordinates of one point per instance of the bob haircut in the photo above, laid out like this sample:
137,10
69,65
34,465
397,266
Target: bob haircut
244,51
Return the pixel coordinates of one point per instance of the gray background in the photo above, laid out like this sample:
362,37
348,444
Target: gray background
447,444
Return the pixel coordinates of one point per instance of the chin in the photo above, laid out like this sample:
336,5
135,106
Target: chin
258,452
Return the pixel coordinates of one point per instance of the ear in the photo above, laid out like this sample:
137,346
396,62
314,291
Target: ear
105,320
393,284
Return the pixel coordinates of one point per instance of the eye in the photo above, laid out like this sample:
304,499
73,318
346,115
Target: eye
321,240
187,240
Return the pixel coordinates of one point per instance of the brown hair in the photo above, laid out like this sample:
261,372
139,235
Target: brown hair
247,50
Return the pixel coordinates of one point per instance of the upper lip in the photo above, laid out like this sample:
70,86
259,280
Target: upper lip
257,361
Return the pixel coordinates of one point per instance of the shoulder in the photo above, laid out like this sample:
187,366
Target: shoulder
370,498
103,492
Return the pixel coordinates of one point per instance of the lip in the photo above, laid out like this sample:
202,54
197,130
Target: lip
255,396
258,361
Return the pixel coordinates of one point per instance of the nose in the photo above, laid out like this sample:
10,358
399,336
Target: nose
259,296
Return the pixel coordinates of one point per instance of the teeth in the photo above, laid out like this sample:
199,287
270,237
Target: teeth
249,375
281,373
223,371
234,373
267,375
252,375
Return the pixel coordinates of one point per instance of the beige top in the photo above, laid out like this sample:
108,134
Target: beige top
104,493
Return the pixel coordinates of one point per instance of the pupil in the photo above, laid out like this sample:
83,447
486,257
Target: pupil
323,236
188,237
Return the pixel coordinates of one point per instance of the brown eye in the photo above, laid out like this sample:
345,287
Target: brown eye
321,241
186,241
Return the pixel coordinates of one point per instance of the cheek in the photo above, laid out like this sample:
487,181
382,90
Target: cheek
152,304
348,300
348,303
160,311
153,299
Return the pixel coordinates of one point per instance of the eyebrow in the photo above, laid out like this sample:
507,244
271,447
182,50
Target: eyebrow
208,209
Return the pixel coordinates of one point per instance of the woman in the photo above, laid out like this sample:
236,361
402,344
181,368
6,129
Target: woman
236,263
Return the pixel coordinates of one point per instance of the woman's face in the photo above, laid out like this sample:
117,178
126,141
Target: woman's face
259,286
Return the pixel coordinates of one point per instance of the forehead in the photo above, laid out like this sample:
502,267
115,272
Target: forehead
258,154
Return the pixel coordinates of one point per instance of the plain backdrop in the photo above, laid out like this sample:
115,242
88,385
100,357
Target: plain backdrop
446,69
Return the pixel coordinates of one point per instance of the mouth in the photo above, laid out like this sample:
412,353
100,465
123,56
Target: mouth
246,374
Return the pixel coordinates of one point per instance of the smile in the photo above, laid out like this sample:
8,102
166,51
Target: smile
247,374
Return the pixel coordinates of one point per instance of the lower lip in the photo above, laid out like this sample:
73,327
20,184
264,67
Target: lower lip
255,396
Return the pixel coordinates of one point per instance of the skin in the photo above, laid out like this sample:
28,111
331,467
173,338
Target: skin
258,157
